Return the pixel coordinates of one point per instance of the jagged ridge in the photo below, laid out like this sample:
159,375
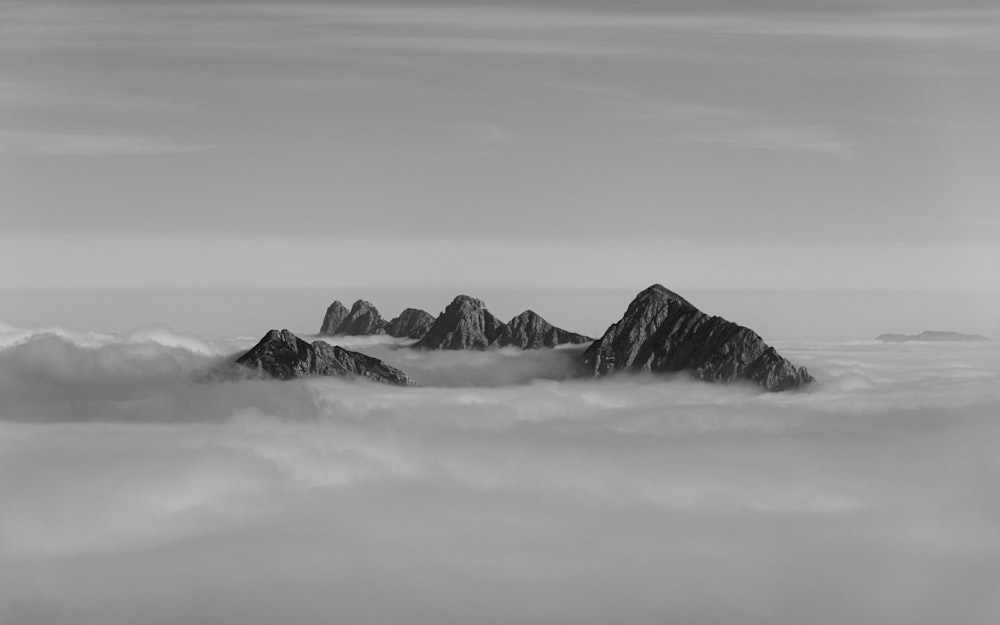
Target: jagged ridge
530,331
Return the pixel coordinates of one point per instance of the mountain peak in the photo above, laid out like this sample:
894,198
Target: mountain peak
412,323
281,354
660,292
335,315
529,330
363,320
280,336
468,301
655,336
464,324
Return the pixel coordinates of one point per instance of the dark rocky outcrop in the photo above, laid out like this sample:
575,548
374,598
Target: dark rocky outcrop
932,336
335,315
363,320
663,332
530,331
412,323
464,324
282,355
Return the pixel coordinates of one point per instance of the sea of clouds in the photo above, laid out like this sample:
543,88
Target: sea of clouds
500,491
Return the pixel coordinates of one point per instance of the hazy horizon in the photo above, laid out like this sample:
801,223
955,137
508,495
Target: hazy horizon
774,314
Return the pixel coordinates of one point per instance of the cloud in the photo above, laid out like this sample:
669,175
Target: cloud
675,120
632,499
809,139
72,144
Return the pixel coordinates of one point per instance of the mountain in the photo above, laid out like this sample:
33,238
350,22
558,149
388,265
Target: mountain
932,336
363,320
412,323
282,355
530,331
663,332
464,324
335,315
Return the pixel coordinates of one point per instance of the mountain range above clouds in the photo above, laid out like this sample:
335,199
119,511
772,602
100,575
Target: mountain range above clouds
660,332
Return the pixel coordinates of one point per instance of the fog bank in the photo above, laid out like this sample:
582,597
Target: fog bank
131,494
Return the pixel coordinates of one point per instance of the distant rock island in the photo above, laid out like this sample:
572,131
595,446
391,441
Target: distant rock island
932,336
467,324
282,355
663,332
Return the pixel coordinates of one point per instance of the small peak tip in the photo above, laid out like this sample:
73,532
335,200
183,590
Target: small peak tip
658,290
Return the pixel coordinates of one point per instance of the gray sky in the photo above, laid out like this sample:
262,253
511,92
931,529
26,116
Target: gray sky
713,144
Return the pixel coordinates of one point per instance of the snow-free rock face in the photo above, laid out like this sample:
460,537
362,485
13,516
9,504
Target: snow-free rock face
334,316
363,320
932,336
663,332
412,323
464,324
281,354
530,331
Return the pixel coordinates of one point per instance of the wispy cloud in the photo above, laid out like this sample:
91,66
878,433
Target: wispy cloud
72,144
814,139
727,126
309,28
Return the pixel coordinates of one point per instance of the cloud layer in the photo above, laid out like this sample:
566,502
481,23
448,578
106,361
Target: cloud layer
132,494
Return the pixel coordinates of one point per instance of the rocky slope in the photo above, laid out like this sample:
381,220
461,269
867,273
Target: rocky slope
663,332
334,316
932,336
412,323
530,331
464,324
363,320
282,355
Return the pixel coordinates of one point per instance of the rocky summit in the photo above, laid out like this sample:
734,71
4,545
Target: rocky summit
663,332
363,320
281,354
334,316
412,323
530,331
464,324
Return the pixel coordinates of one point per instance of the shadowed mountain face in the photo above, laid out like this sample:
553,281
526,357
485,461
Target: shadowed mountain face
932,336
412,323
335,316
464,324
530,331
363,320
663,332
282,355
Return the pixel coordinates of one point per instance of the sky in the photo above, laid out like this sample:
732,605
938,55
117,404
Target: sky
765,144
